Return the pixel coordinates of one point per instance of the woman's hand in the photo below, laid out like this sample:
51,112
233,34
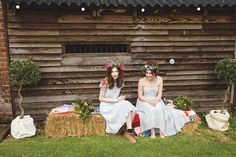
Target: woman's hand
152,102
120,98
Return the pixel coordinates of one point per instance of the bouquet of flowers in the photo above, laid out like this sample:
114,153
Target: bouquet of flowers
84,107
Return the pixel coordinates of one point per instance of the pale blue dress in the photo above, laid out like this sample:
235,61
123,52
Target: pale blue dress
169,120
115,114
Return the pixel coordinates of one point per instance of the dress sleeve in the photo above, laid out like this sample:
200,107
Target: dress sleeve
103,84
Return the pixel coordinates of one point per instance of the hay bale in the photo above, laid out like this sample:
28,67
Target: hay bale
192,126
64,125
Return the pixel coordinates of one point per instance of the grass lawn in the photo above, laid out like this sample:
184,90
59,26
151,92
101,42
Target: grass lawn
203,142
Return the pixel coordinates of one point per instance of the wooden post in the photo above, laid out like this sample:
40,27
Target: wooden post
94,13
135,13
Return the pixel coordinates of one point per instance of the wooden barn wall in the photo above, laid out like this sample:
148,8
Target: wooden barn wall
196,42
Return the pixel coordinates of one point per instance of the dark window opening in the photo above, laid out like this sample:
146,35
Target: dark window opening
96,48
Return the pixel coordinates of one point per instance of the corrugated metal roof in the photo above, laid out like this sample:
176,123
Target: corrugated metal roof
134,3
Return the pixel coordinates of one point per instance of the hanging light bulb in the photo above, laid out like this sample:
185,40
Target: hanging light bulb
82,9
17,6
143,10
198,8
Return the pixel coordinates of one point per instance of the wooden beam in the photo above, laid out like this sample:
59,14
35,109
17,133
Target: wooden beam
94,13
135,13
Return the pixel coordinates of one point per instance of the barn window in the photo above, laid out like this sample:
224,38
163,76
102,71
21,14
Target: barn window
96,48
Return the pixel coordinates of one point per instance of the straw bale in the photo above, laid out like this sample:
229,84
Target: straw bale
192,126
64,125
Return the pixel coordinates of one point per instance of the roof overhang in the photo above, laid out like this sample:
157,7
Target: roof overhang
132,3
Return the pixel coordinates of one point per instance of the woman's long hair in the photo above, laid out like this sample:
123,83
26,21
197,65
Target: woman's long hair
111,82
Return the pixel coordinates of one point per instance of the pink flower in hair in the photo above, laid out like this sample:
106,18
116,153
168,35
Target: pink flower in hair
122,67
107,66
112,64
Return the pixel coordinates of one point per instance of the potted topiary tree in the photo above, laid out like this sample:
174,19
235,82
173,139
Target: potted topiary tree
22,73
226,71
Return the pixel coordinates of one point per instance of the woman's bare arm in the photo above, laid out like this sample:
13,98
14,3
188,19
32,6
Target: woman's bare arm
160,90
140,92
102,98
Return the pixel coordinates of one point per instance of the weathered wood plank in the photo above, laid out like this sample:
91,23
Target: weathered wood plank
34,32
107,26
124,58
141,26
181,55
34,39
182,43
35,50
117,39
187,72
201,32
182,49
33,16
195,19
191,77
195,87
51,26
112,32
35,57
219,26
193,83
48,63
195,93
34,45
51,98
183,38
77,18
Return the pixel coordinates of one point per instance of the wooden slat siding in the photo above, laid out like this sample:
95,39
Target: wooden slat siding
74,38
195,42
82,26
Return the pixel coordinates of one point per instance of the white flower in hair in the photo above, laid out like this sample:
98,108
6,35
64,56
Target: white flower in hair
149,67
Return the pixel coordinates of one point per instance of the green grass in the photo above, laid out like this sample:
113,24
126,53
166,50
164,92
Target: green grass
203,142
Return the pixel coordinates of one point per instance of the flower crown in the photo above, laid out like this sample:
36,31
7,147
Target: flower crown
150,67
112,64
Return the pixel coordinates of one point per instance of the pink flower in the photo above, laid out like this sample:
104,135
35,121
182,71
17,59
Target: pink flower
104,81
107,66
122,67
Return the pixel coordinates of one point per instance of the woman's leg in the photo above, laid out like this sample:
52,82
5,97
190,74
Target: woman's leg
161,135
153,134
128,132
129,121
132,115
